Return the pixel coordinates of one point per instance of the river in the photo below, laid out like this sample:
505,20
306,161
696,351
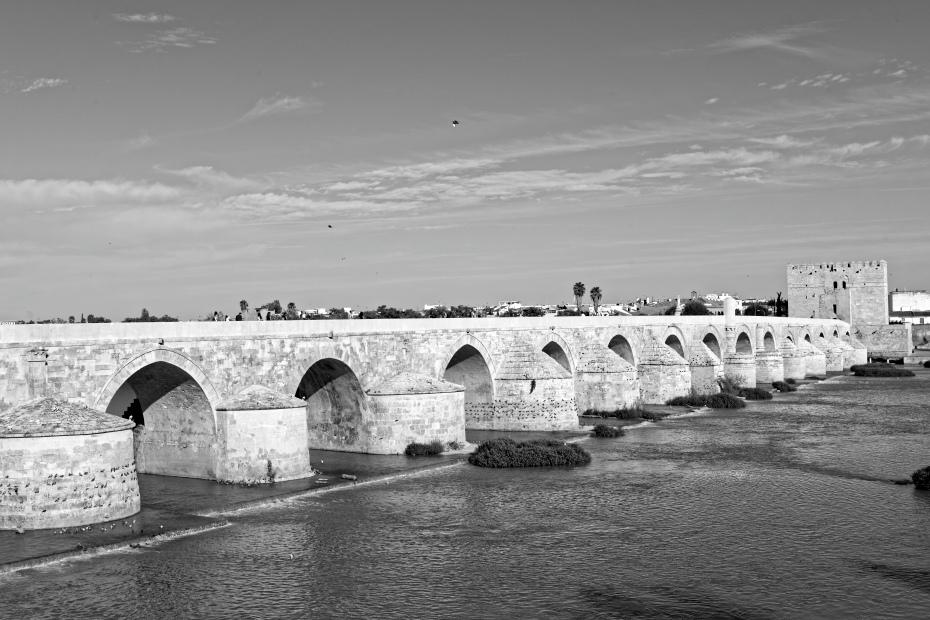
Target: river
782,510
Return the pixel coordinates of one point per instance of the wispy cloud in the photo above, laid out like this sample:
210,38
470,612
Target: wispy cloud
41,83
712,101
142,141
211,178
73,193
781,39
179,37
144,18
279,104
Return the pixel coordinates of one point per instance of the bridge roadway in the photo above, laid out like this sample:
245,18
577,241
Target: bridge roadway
375,385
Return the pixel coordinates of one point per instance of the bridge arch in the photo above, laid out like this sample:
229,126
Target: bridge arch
173,404
712,340
744,343
337,406
620,345
768,341
674,338
468,363
558,349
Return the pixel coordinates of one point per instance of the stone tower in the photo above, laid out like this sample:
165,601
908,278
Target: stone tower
856,292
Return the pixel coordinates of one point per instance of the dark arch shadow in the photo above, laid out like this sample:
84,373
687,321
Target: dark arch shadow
336,406
176,432
675,344
468,367
621,346
768,342
711,342
743,344
556,352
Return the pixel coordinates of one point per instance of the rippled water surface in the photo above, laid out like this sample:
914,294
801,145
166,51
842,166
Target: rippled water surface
781,510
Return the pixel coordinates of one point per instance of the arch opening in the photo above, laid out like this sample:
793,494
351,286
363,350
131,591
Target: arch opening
557,353
743,344
468,367
711,342
836,333
768,341
790,339
336,405
807,337
175,432
674,344
621,346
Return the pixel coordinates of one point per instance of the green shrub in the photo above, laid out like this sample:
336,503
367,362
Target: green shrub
784,386
505,452
755,394
691,400
921,479
879,369
791,381
607,431
621,413
424,449
724,400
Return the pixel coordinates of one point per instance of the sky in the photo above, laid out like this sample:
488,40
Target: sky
181,156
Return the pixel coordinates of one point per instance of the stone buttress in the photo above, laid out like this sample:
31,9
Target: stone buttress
262,437
410,408
603,380
533,393
794,365
706,368
663,374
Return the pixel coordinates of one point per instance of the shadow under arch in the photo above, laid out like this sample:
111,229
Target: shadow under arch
622,347
169,399
557,352
744,343
469,367
768,341
336,406
674,343
712,342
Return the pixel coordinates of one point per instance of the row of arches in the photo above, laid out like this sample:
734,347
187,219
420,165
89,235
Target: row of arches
173,402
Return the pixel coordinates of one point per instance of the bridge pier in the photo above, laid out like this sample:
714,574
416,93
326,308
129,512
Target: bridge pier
604,381
815,361
262,437
705,369
663,374
769,367
793,361
740,368
412,408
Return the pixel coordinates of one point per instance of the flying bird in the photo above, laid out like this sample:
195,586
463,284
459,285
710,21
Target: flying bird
329,225
455,123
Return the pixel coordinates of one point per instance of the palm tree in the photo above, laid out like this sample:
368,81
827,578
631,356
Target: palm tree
578,291
595,298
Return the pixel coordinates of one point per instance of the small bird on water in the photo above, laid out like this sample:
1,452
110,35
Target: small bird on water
455,123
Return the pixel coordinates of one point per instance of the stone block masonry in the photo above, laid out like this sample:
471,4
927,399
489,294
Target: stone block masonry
509,374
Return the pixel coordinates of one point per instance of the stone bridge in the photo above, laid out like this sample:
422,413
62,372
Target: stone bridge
376,385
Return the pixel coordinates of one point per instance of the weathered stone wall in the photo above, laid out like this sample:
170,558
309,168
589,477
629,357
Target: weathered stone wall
527,405
67,480
858,290
397,420
886,340
250,441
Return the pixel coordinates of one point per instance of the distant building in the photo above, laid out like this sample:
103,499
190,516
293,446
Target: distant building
855,292
909,307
